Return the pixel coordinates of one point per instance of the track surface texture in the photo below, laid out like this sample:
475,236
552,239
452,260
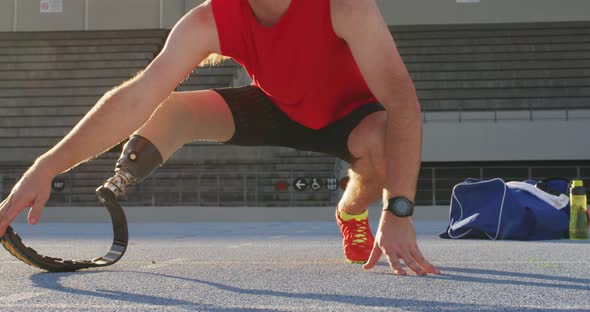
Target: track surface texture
288,267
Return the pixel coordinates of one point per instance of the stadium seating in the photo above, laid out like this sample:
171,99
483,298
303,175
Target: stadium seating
49,80
498,66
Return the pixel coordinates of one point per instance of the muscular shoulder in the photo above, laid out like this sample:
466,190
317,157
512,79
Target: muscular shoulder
348,14
202,15
200,22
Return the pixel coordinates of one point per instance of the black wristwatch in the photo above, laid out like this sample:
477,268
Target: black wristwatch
400,206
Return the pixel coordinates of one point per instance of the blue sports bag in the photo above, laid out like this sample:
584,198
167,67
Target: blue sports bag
494,209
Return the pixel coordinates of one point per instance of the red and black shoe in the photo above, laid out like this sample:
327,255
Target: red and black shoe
357,238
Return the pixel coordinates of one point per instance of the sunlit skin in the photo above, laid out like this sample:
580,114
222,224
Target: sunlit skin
387,144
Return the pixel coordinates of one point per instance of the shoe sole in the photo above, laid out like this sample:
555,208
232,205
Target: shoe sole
356,262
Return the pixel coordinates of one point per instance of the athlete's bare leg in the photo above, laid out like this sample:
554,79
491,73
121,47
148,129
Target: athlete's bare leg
185,117
367,174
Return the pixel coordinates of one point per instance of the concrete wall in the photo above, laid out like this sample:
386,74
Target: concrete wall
6,15
141,14
130,14
172,11
513,137
418,12
91,15
29,18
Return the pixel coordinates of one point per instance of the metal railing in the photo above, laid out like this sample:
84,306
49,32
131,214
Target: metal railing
435,184
190,187
498,115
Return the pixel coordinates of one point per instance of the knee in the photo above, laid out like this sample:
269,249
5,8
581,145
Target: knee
367,142
368,138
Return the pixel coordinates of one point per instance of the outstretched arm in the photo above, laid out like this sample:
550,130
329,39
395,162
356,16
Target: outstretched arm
360,24
118,113
124,109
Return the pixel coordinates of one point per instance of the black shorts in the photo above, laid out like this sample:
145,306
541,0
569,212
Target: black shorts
259,122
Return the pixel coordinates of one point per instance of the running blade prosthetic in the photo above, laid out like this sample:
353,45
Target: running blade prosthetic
14,244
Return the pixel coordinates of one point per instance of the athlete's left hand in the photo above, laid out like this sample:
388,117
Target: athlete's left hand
396,238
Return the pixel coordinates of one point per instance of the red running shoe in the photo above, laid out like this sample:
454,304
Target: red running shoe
357,238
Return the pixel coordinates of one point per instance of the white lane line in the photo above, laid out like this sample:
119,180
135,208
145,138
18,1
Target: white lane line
245,245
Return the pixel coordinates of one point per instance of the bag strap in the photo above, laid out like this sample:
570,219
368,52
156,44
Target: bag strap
542,185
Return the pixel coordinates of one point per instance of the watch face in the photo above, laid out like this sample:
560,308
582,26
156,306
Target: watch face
402,207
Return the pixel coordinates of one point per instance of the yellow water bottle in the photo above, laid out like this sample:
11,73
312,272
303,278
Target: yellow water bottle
578,207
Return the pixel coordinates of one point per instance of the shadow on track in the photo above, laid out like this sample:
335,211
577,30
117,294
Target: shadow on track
549,281
52,282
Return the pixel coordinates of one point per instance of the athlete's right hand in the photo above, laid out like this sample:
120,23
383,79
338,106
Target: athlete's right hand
32,190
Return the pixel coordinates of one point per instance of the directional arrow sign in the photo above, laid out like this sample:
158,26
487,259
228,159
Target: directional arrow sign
300,184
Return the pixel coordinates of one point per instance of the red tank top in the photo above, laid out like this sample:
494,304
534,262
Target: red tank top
300,63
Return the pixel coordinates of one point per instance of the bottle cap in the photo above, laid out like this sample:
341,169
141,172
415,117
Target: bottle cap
576,183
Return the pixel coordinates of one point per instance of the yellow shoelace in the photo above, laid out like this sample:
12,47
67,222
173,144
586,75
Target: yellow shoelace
361,233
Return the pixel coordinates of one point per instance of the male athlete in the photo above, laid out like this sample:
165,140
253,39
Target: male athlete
327,77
